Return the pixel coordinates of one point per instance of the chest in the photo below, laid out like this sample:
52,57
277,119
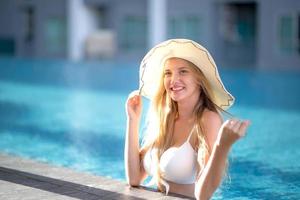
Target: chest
182,133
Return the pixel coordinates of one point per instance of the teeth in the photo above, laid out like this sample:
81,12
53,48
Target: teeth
177,88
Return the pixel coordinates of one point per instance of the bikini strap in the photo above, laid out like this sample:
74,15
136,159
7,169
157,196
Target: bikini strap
192,131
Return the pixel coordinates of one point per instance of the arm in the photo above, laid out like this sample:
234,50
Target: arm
223,137
212,174
134,171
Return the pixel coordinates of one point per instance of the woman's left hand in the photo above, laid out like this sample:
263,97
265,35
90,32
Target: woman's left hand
231,131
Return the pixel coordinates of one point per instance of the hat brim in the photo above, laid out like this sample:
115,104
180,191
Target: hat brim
152,66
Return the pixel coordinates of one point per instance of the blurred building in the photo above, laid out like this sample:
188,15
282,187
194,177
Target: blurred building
238,33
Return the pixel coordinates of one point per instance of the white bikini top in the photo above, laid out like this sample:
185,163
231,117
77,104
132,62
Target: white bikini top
177,164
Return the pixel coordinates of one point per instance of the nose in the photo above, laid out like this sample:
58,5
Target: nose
174,78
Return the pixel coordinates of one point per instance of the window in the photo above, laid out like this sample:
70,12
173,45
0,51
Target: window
7,46
185,27
289,34
55,35
238,23
133,33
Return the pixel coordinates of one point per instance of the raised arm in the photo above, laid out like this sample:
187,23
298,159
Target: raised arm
223,137
134,170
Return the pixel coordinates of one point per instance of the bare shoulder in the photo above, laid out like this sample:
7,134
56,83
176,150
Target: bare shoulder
211,123
211,118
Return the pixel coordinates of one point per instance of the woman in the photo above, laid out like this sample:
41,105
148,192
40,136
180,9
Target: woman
187,143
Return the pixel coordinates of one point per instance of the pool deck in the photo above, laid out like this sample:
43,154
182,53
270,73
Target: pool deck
27,179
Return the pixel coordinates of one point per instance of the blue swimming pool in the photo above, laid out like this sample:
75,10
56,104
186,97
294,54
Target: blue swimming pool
73,115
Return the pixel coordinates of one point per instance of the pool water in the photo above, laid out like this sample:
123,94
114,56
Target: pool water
72,114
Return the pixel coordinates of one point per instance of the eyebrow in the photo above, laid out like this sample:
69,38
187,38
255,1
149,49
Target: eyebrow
183,67
178,68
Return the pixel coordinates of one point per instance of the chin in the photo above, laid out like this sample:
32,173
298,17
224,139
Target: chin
176,99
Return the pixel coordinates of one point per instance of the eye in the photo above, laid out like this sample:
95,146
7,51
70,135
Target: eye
167,73
184,71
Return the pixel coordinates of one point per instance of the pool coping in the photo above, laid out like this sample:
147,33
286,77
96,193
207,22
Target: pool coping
22,178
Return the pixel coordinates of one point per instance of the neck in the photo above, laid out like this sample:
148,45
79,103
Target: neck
186,109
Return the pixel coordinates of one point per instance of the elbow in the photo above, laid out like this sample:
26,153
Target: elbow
133,177
203,195
133,182
205,192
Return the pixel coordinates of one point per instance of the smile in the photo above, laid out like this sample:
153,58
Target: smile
176,88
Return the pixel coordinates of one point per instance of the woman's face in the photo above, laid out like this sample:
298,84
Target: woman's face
179,80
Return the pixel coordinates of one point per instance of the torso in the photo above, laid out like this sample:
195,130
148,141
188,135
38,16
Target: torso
184,148
181,133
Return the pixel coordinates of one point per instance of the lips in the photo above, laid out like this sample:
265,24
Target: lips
177,88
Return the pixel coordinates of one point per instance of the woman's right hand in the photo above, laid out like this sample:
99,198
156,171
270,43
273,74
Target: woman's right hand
134,106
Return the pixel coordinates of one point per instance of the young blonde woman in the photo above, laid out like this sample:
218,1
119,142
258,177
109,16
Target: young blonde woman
187,143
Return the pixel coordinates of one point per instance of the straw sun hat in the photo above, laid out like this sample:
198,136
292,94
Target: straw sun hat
152,66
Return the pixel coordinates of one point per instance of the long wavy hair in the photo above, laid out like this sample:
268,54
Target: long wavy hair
162,115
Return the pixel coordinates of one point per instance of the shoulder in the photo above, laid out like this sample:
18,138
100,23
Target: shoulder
211,124
211,117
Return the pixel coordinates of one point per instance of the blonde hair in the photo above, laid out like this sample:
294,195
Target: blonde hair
162,115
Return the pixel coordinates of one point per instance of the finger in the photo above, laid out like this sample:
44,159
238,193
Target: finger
232,123
243,127
133,96
131,99
228,123
236,126
138,99
225,124
134,93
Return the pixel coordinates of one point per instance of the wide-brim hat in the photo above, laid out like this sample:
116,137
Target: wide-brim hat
152,66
